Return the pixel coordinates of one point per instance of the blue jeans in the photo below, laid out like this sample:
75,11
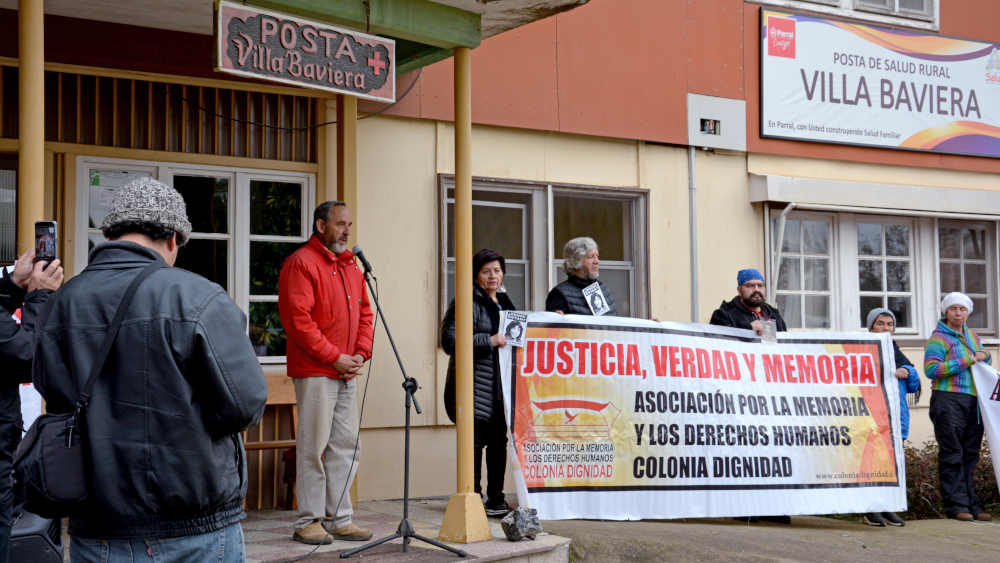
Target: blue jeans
224,546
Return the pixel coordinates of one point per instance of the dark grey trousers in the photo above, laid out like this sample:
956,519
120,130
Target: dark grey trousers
959,433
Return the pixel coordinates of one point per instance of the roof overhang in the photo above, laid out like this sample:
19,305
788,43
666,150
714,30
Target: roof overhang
426,31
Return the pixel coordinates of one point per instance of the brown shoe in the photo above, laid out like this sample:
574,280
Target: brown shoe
963,517
351,532
984,517
313,534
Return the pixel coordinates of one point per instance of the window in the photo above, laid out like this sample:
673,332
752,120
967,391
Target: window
836,267
8,209
966,265
922,9
921,14
244,223
499,222
803,287
609,222
885,269
516,220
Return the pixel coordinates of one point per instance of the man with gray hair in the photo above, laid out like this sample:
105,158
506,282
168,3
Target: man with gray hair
181,381
581,293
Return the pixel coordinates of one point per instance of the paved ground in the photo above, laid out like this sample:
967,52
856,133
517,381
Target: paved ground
808,538
268,537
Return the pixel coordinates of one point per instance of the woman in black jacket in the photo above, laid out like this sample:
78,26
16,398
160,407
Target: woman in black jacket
488,299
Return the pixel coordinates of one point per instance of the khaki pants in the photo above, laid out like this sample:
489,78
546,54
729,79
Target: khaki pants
325,460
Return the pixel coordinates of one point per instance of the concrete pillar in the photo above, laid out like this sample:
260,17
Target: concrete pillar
31,122
465,517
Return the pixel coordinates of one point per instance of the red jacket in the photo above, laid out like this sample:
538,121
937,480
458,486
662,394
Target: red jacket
324,308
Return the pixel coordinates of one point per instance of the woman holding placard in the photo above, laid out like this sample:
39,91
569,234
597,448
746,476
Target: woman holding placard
488,300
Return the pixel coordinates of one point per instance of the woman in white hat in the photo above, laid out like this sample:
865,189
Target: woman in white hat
948,359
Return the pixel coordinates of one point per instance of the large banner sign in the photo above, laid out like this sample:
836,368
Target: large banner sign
628,419
988,390
834,81
257,43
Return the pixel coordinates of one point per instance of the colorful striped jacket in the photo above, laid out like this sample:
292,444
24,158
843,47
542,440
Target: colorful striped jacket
948,358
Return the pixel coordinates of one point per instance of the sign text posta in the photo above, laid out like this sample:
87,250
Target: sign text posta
283,48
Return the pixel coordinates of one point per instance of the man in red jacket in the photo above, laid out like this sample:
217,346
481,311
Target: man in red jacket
326,314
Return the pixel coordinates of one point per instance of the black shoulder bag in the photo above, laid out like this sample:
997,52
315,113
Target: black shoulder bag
50,462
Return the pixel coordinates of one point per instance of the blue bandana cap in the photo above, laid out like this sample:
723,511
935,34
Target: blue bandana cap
748,274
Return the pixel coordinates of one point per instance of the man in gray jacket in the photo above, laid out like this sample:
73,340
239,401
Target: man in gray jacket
168,470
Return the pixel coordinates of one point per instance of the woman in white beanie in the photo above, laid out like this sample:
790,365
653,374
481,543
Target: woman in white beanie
948,359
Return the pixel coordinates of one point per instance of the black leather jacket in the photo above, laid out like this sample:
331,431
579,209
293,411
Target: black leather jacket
16,341
16,347
180,383
486,363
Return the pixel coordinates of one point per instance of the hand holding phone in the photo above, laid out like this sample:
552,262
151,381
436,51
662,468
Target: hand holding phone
45,241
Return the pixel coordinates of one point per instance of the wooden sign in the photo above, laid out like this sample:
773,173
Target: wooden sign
278,47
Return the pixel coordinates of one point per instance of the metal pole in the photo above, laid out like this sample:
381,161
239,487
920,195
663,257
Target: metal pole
31,151
693,222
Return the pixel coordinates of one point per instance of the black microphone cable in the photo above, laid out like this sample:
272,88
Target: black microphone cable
357,439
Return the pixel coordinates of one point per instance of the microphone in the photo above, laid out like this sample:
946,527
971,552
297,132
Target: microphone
361,256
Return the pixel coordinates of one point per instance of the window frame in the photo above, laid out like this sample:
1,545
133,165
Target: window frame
239,237
541,256
853,9
8,200
896,10
525,244
990,259
912,259
925,266
835,313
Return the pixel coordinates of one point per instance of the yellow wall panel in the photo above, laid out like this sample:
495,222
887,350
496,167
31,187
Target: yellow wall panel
542,157
664,174
396,224
730,228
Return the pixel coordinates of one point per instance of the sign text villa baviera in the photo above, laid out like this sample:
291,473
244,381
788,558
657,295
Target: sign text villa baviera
268,45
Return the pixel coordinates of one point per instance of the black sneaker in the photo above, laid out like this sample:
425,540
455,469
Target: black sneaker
893,519
874,519
497,509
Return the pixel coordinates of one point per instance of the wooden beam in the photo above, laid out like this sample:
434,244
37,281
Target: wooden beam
420,21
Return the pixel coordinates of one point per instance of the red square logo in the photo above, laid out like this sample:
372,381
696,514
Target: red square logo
781,37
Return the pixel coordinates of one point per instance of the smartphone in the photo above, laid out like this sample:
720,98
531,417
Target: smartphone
45,241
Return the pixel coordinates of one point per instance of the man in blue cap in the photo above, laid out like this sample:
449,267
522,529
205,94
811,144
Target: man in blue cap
749,308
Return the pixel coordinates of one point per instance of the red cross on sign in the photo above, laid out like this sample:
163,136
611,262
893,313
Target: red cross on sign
376,63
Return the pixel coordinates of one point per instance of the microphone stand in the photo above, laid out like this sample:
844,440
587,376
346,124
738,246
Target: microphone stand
405,529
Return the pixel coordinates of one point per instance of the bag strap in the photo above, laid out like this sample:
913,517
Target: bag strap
109,340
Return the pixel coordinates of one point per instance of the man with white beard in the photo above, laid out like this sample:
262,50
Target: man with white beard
328,321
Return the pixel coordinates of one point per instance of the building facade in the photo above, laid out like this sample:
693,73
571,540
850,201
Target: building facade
636,122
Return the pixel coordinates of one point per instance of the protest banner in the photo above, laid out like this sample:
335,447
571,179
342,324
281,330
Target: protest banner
987,382
627,419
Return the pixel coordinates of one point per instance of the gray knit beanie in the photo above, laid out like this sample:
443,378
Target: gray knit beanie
146,200
877,312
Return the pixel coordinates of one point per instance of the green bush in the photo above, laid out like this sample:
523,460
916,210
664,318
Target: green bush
923,491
